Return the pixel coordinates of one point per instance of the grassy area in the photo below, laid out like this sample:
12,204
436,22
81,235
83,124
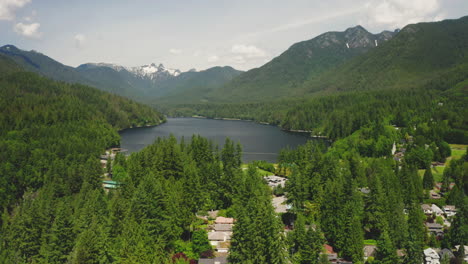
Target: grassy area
437,172
457,150
370,242
260,171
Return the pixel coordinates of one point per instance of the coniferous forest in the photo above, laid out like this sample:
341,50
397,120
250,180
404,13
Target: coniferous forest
387,185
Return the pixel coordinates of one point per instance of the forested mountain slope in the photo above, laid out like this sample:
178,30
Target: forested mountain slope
325,64
54,132
282,76
39,63
417,54
7,66
190,85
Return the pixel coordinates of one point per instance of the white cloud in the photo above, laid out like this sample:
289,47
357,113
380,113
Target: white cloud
197,53
28,30
175,51
398,13
8,8
248,51
213,58
80,40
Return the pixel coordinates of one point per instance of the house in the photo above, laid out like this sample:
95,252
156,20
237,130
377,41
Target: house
431,256
223,247
110,184
274,181
223,228
217,260
215,237
434,195
447,253
436,210
369,251
332,255
450,210
279,204
224,220
427,209
435,229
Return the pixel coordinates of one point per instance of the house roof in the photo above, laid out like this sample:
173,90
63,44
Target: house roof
369,250
436,209
450,207
217,260
328,249
446,251
223,227
430,252
219,236
434,226
426,207
224,220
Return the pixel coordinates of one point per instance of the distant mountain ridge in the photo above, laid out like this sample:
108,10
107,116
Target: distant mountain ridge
151,71
140,82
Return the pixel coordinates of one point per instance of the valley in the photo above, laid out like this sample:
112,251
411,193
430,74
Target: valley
348,147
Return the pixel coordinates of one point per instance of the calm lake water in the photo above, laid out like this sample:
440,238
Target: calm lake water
259,142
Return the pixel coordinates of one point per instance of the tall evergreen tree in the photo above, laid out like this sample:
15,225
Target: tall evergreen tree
428,179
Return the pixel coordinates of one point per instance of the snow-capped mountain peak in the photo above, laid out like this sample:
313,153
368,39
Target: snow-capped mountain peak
153,71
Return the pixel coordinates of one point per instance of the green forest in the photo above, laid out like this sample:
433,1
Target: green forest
389,188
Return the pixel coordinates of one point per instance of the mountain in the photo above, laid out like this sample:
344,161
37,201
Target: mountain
192,84
39,63
7,66
419,53
140,83
285,74
349,61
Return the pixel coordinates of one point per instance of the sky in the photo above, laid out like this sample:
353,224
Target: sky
186,34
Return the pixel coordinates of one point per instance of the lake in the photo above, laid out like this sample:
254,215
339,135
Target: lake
259,142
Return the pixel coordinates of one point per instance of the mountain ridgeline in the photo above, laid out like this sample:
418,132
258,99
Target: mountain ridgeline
285,75
140,83
353,60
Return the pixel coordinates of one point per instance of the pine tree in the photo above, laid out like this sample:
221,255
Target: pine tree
428,179
415,243
386,252
257,235
200,242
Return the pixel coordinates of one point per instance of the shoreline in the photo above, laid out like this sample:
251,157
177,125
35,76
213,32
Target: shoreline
258,122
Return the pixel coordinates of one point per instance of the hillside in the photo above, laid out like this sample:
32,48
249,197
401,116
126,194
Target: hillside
285,74
325,65
192,84
51,129
414,56
34,61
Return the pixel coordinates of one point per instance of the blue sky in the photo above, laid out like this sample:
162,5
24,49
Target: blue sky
197,34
